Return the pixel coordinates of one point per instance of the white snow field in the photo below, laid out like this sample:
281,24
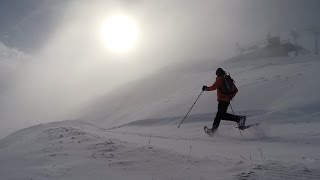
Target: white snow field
133,134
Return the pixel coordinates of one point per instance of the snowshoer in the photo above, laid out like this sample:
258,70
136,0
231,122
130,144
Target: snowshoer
225,93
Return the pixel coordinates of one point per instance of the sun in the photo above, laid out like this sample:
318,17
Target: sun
119,33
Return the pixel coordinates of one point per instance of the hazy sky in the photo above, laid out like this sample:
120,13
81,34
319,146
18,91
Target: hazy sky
27,25
70,66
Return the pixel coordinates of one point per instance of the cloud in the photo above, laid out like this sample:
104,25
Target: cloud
12,62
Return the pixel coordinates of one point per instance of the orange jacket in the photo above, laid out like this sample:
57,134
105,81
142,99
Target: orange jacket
218,86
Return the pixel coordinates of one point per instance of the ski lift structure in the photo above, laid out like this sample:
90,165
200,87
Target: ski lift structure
272,46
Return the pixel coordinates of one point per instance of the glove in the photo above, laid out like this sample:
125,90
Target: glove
204,88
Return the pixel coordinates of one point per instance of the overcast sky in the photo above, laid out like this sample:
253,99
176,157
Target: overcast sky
27,25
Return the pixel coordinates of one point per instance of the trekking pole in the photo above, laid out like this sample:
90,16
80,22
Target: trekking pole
190,109
233,114
231,108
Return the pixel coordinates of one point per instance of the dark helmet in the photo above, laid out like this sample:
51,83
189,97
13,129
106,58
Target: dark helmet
220,72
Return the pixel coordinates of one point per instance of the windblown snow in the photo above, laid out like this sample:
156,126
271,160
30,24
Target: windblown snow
132,133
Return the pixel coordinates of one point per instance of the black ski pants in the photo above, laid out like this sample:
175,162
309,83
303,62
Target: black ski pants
223,115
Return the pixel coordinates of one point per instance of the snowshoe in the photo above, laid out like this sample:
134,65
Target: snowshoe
210,132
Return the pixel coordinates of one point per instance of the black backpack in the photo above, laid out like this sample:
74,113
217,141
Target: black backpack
228,85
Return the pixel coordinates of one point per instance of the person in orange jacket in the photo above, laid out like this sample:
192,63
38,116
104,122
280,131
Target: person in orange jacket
223,102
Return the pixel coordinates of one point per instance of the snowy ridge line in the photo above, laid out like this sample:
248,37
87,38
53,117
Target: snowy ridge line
167,121
217,138
161,137
20,135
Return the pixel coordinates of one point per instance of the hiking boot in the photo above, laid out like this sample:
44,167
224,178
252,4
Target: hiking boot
242,121
214,129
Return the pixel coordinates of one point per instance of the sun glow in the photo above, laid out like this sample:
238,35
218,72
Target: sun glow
119,33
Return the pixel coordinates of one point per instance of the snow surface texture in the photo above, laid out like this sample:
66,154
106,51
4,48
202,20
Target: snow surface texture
136,136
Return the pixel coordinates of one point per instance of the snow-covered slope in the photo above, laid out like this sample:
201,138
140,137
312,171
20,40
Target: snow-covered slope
279,85
135,135
77,150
